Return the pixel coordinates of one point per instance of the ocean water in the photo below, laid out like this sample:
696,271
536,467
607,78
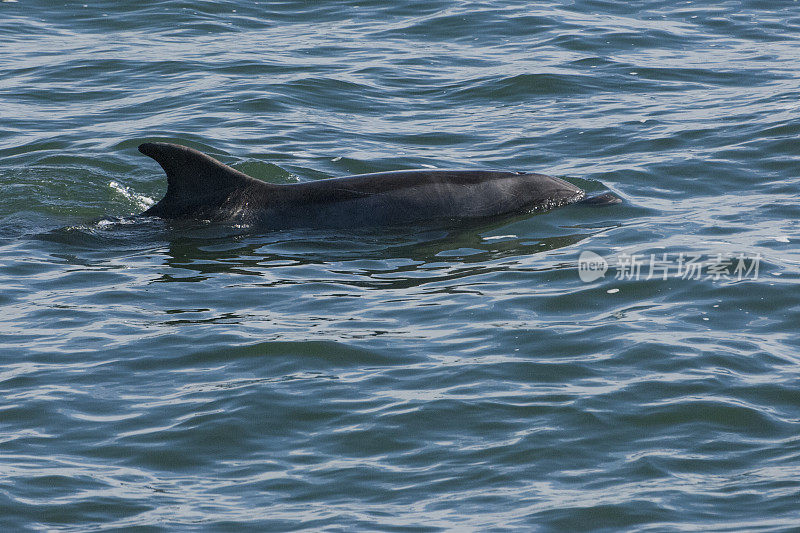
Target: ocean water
634,367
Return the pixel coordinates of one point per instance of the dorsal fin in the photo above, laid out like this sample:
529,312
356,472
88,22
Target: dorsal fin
197,184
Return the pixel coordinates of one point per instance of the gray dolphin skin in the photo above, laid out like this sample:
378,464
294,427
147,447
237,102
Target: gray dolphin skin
200,187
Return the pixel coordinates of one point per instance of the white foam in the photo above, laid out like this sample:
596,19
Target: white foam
142,201
496,237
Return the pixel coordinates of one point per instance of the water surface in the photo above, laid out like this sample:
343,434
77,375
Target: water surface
167,376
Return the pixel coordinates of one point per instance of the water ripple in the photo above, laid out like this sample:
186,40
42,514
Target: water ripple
167,375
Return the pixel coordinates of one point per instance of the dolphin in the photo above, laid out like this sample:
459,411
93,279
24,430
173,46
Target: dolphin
200,187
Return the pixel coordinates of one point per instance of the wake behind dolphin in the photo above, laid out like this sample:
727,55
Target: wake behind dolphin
200,187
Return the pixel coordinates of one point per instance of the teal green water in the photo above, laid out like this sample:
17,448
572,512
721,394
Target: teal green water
184,376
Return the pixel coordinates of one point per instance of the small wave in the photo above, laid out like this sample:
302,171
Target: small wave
141,201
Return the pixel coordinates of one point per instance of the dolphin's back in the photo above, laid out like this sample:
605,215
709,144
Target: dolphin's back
391,198
199,186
